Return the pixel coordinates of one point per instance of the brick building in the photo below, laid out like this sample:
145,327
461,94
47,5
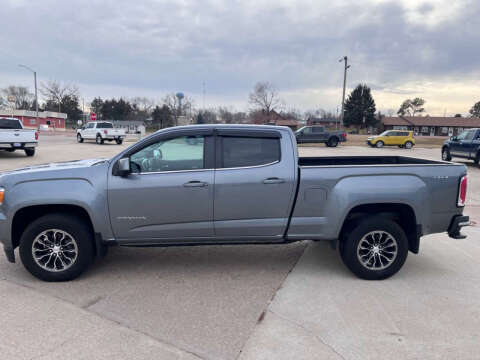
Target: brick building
52,119
431,125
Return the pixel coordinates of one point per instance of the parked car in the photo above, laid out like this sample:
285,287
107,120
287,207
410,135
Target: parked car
466,146
100,131
318,134
401,138
14,137
235,185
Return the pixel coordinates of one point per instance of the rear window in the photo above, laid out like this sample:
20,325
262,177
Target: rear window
249,151
104,125
10,124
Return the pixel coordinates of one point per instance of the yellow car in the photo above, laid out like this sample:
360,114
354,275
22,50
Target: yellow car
400,138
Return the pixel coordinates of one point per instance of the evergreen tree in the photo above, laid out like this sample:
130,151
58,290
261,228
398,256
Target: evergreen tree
360,107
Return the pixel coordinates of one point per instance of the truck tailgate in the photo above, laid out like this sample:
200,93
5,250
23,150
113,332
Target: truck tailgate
17,136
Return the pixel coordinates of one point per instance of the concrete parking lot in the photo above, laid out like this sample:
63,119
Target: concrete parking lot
293,301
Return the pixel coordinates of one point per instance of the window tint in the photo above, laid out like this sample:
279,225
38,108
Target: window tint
307,130
104,125
181,153
90,125
470,135
10,124
249,151
317,129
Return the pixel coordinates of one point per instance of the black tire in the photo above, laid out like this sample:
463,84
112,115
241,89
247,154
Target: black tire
79,138
400,146
408,145
77,230
333,142
477,159
119,141
361,232
99,139
379,144
446,154
30,151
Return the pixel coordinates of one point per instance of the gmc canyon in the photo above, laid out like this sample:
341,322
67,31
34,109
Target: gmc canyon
231,184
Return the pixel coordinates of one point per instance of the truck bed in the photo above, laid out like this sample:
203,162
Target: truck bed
365,160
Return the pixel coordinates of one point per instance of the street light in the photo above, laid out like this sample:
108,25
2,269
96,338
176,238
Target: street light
36,97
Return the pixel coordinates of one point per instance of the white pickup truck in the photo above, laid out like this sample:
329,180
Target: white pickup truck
14,137
100,131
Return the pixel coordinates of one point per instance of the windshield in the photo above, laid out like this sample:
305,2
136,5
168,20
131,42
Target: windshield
13,124
299,130
104,126
384,133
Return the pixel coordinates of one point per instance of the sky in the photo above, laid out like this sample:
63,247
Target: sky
401,49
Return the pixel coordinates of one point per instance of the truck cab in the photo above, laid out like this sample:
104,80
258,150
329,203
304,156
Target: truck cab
466,146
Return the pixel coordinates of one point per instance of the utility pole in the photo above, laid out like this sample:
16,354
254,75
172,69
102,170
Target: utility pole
345,58
36,97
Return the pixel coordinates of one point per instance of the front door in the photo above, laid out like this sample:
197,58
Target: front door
169,194
254,185
460,146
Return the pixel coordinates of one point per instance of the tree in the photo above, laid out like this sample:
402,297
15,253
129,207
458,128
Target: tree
360,107
69,105
142,107
225,115
458,115
54,91
265,98
162,116
96,106
24,99
177,107
475,110
411,107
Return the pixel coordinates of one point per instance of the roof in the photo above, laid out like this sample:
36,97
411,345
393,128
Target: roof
431,121
323,120
285,122
41,114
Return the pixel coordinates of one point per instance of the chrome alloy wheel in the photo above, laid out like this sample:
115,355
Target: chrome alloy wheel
377,250
54,250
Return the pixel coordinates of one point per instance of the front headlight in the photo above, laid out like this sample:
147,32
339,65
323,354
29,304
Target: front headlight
2,194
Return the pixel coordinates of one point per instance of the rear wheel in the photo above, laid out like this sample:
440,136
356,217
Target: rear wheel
408,145
119,141
379,144
56,247
446,154
375,249
30,152
333,142
79,138
99,139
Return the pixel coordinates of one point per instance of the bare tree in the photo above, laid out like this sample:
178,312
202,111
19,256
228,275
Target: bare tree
265,98
178,108
24,99
54,91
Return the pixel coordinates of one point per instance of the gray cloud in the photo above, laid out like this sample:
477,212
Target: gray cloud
171,45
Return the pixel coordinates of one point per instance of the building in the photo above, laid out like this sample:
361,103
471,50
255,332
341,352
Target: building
52,119
327,122
130,126
274,118
431,125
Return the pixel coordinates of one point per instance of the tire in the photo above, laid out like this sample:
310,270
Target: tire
30,151
379,144
99,139
77,247
477,159
333,142
446,154
400,146
119,141
377,264
408,145
79,138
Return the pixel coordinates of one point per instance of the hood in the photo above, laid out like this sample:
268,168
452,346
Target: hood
65,165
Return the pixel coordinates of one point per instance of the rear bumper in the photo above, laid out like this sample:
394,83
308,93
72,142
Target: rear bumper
20,145
456,225
113,137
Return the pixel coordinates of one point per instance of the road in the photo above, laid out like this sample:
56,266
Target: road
293,301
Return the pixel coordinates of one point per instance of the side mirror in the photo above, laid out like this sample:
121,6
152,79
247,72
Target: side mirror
124,167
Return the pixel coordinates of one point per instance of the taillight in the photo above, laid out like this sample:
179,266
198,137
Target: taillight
105,132
462,191
345,135
36,135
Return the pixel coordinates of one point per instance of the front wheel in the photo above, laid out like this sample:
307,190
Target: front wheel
375,249
99,139
408,145
79,138
56,247
446,155
379,144
30,152
333,142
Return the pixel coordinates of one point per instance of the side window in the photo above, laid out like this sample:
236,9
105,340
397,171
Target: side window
180,153
249,151
318,129
470,135
307,130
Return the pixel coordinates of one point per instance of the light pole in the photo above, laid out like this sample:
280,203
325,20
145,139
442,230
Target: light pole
36,97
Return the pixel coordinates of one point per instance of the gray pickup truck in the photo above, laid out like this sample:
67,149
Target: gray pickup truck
318,134
233,184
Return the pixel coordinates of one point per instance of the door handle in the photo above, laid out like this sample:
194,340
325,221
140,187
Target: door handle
195,183
273,180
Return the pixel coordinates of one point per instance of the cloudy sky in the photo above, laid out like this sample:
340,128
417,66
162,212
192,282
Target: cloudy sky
400,48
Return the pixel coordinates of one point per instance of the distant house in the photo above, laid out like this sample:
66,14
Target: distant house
431,125
130,126
327,122
274,118
54,120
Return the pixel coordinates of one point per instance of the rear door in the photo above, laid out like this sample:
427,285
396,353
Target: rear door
254,184
319,134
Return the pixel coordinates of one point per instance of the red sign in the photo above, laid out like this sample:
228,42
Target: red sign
93,117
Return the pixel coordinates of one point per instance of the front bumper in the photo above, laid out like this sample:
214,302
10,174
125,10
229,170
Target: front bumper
456,225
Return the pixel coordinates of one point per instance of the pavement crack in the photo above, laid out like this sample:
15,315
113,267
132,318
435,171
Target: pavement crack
92,302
